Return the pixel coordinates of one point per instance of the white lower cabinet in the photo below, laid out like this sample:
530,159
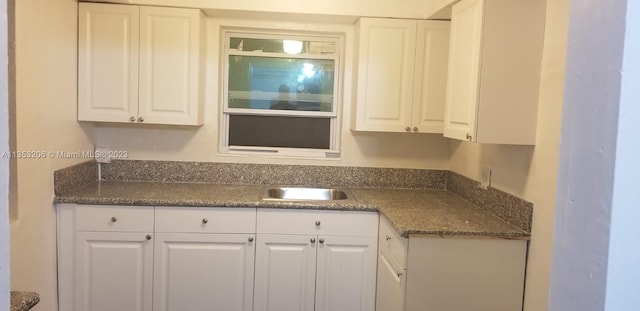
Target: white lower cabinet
315,260
391,286
113,271
285,273
199,271
233,259
457,273
345,273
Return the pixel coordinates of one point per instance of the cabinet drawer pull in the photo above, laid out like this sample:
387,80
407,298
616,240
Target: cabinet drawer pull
317,222
250,239
114,219
148,237
313,240
388,237
205,221
321,240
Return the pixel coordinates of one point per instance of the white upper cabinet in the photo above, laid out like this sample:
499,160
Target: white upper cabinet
140,64
494,71
400,83
108,62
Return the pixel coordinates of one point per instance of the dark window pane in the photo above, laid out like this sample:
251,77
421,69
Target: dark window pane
278,131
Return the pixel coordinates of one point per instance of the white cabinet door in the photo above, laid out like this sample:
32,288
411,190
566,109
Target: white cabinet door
391,286
285,272
107,62
386,59
465,274
346,273
170,65
203,272
494,71
430,84
113,271
464,65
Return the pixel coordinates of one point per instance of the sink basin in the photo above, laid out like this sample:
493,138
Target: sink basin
303,193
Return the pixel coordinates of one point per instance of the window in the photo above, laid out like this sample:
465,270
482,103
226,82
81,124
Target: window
281,94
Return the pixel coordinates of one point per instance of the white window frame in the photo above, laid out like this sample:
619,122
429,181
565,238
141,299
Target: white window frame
335,115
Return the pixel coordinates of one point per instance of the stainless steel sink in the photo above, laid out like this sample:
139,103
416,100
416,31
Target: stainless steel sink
290,193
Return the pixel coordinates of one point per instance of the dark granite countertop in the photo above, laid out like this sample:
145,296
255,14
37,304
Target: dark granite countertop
23,301
410,211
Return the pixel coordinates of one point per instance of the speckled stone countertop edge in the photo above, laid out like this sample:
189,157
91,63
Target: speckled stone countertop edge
23,301
517,234
317,205
354,204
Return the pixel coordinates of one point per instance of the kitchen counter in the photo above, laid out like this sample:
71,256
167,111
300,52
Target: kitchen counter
23,301
410,211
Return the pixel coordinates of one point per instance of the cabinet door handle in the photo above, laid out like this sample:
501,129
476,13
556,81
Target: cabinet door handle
114,219
250,239
317,222
205,221
388,238
148,237
415,129
321,240
468,137
399,274
313,240
140,119
132,119
407,129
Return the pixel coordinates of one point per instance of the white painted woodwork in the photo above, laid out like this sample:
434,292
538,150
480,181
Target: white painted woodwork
203,272
494,71
449,273
346,273
107,62
392,284
285,272
140,64
465,274
188,263
205,220
113,271
291,221
401,75
464,65
392,244
430,81
65,246
439,9
170,61
114,218
386,57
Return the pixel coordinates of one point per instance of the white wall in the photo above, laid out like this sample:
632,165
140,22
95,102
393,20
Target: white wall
4,163
623,272
530,172
46,35
595,262
201,144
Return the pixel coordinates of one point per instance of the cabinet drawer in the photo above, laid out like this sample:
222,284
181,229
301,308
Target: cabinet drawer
114,218
205,220
392,244
344,223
